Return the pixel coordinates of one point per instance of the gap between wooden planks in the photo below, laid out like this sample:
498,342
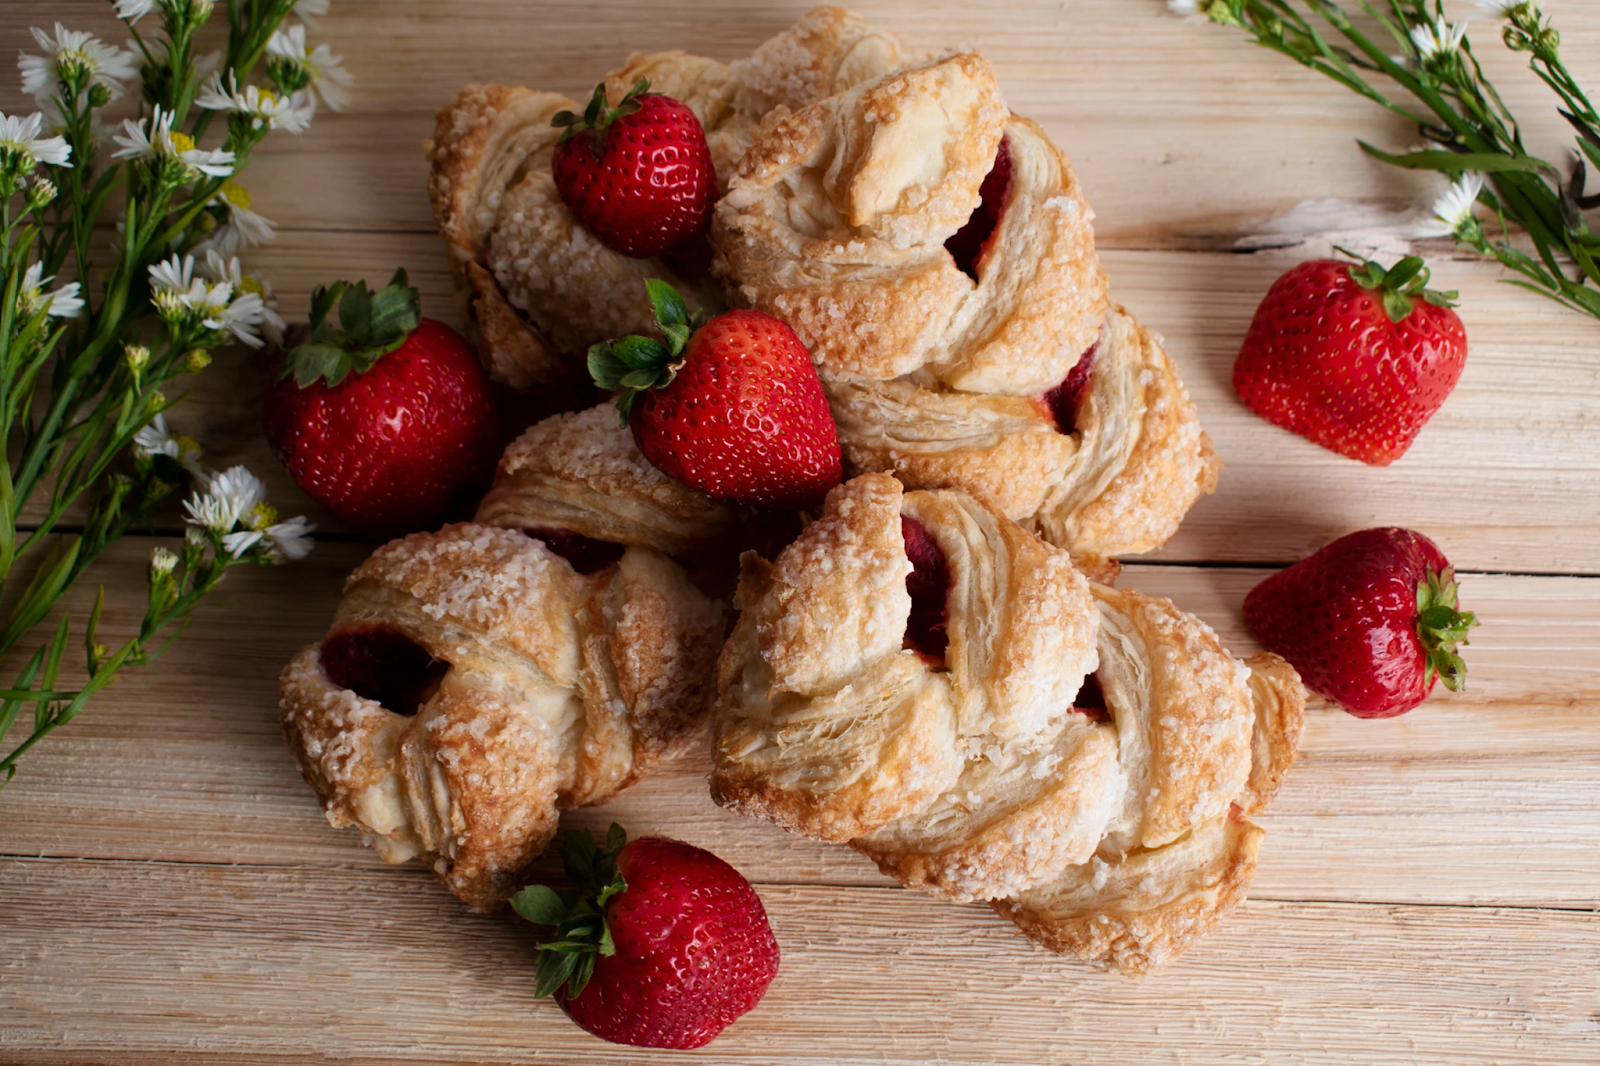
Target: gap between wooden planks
1485,797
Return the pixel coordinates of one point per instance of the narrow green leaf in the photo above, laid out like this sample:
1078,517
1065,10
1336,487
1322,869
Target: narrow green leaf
318,362
1397,305
552,970
323,300
540,905
616,836
1456,162
581,973
355,310
605,368
1402,273
640,379
562,119
625,404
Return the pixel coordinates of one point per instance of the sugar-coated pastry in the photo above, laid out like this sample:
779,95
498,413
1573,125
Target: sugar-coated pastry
980,764
934,252
535,287
583,473
474,682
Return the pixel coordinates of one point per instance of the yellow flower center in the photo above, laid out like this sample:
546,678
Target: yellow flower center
249,284
261,516
234,193
182,142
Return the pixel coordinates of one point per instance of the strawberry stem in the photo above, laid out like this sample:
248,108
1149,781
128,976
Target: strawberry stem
597,117
578,917
1442,627
1408,278
371,325
634,364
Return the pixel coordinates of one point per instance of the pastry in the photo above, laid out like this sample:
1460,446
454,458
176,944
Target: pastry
534,287
1067,737
474,682
934,252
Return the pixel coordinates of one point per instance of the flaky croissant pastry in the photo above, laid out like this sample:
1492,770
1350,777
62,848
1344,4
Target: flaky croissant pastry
534,287
1076,753
934,252
474,682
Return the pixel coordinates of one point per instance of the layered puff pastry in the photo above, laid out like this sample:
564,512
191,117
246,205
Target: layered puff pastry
477,680
934,252
1086,758
534,287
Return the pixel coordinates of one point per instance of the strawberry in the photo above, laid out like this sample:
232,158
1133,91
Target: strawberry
1355,359
733,407
661,945
384,418
641,179
1370,621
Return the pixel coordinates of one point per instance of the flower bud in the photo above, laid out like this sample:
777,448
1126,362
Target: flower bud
136,357
40,194
1549,39
99,96
163,561
196,360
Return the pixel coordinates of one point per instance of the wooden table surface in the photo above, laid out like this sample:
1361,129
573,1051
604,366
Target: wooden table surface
1428,888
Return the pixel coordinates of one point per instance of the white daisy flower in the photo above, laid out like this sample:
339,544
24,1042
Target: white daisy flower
1186,8
63,303
233,494
266,108
163,561
244,227
292,539
20,136
131,11
1453,209
173,274
328,76
308,11
162,143
157,439
71,55
247,314
1434,39
1508,8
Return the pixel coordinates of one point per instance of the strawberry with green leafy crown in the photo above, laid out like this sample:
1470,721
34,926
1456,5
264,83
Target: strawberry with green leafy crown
385,417
1370,621
732,407
661,944
1354,358
639,175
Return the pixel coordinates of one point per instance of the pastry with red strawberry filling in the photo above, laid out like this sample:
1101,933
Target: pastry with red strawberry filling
934,253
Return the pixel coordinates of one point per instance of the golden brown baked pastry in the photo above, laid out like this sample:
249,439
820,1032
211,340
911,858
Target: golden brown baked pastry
995,771
852,218
582,473
474,682
535,288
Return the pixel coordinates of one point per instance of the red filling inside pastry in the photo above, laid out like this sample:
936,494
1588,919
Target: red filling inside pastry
1064,400
972,240
1091,700
586,554
384,665
929,586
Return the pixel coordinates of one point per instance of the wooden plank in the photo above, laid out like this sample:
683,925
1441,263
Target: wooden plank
1506,476
197,963
1486,796
1185,135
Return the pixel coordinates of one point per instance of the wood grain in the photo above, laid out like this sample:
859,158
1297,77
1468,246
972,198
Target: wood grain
390,969
1482,797
169,892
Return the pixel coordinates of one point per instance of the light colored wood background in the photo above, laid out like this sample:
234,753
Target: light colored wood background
1429,886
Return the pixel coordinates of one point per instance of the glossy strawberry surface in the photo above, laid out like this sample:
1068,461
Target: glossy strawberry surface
387,450
694,950
1325,360
745,418
651,184
1346,619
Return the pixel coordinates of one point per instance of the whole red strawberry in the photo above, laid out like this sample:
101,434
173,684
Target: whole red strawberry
1370,621
661,945
1354,358
732,407
385,418
638,175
